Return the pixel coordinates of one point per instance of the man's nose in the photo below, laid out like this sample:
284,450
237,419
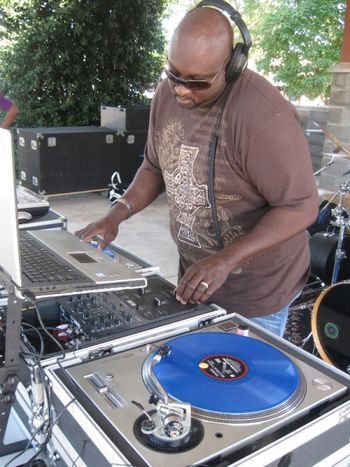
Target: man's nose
182,91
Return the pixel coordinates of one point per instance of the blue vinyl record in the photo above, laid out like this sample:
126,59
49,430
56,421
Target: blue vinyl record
227,373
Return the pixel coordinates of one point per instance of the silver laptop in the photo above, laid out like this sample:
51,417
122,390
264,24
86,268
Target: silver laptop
57,263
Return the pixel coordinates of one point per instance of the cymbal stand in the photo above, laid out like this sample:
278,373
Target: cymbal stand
342,221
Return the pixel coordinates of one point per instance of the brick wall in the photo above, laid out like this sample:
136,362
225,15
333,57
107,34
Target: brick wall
315,137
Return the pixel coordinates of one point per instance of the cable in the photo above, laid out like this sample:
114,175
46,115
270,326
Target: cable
49,433
211,162
42,345
24,449
49,334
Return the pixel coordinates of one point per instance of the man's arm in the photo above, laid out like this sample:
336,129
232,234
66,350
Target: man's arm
277,226
10,116
145,187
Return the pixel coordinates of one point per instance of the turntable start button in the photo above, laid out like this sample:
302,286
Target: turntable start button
322,384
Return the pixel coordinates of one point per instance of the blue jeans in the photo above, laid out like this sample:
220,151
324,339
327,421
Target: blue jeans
276,322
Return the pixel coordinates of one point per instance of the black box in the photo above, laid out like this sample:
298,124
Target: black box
131,118
131,150
67,159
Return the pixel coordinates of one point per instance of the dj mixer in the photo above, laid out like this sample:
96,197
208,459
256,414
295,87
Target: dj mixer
85,320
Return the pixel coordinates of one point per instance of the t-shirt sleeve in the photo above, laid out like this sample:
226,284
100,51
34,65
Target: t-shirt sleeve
278,163
151,160
5,104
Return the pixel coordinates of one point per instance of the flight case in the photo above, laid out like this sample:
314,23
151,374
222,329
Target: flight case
66,159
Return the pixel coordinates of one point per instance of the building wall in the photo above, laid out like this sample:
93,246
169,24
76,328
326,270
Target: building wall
308,117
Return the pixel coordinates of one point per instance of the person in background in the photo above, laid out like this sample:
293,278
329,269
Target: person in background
255,261
11,112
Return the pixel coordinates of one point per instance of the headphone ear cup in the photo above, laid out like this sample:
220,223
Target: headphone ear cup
237,63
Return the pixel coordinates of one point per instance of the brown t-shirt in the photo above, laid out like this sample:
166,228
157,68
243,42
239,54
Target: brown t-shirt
262,161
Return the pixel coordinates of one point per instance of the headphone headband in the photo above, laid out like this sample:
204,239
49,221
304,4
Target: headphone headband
239,55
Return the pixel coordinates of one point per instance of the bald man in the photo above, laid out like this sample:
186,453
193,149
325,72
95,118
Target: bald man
265,194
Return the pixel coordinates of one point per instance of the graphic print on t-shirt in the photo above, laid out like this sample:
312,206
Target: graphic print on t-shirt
187,195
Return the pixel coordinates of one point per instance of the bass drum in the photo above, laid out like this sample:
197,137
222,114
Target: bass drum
323,246
330,325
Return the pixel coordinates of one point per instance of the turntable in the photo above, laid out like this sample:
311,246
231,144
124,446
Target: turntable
207,397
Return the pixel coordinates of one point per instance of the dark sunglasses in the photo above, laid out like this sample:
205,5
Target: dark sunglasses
193,84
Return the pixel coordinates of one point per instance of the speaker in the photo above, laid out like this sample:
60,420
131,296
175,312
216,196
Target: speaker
67,159
239,56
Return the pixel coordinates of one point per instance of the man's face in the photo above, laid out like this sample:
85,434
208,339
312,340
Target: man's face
210,70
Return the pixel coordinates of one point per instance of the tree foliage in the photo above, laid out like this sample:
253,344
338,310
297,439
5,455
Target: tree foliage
62,59
297,42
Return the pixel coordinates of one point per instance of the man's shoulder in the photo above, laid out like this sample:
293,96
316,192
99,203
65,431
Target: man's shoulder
260,93
254,101
162,90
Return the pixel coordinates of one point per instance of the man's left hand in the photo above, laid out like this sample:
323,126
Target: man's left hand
202,279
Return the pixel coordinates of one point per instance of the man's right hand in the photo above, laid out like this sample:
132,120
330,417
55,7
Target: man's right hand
105,228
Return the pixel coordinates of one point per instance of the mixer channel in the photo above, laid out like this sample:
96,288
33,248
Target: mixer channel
101,315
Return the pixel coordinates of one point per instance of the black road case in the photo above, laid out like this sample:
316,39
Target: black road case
67,159
131,149
130,118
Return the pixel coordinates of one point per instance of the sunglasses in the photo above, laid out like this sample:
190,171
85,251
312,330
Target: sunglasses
193,84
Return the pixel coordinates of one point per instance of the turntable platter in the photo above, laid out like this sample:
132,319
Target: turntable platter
228,378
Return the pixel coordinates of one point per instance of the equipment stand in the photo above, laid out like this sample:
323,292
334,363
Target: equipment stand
9,369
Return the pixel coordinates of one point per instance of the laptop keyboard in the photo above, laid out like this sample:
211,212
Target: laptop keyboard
40,265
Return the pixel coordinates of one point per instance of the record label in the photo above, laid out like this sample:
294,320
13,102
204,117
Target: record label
223,367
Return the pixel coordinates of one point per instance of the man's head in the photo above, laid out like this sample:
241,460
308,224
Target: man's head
200,50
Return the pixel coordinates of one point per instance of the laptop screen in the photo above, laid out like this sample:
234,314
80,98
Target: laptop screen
9,249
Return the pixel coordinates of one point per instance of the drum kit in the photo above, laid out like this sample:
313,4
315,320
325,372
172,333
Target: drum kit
327,293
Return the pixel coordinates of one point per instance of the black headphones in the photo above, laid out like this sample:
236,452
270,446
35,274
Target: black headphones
239,55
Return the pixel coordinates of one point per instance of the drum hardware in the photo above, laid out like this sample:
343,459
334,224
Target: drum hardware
341,220
331,162
328,251
339,146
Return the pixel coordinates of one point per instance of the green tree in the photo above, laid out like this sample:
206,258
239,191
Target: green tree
62,59
297,41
